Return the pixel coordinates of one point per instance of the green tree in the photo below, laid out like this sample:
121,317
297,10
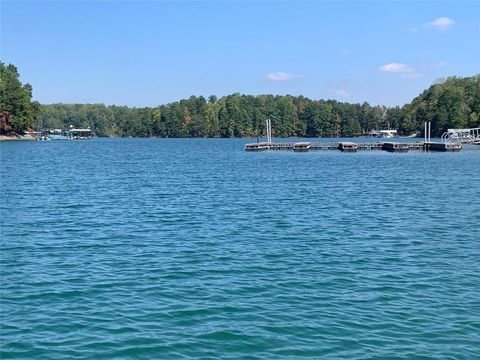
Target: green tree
16,98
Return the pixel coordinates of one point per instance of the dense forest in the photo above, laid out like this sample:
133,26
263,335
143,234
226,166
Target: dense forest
450,103
230,116
18,111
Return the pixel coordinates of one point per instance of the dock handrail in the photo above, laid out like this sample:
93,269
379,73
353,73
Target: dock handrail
464,136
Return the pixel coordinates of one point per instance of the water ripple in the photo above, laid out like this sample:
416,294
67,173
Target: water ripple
164,248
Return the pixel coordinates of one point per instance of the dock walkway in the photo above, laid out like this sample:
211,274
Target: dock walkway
353,147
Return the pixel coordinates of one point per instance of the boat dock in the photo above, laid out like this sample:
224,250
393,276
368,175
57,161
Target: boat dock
345,146
448,144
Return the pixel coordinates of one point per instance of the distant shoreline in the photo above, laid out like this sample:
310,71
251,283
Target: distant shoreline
16,138
31,138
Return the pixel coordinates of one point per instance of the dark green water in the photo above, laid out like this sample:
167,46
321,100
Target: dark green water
162,248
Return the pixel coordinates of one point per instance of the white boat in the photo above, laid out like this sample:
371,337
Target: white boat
383,133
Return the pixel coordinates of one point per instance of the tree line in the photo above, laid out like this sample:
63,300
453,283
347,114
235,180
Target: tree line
450,103
234,115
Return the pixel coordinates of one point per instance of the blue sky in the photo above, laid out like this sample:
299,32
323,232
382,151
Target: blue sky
151,53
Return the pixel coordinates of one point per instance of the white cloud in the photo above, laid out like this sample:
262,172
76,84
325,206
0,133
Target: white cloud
396,68
442,23
440,64
404,69
340,93
115,60
413,74
281,76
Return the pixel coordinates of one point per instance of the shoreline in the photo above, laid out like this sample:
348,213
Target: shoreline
16,138
32,138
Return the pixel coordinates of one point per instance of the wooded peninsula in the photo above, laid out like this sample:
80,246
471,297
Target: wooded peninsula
453,102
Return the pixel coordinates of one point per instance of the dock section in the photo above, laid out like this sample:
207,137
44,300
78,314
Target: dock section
348,147
441,146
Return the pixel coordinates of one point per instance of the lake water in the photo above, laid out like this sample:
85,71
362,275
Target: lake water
177,248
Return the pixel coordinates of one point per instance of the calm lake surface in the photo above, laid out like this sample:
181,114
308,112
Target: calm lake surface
177,248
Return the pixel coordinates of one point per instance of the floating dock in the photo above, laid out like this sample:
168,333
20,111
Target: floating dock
346,146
